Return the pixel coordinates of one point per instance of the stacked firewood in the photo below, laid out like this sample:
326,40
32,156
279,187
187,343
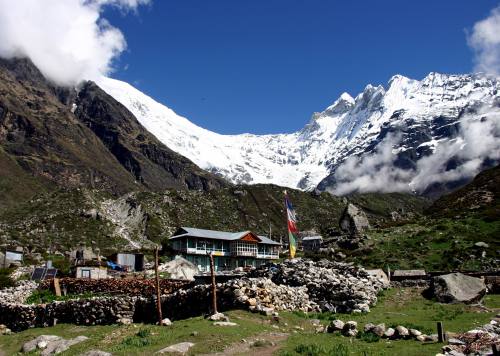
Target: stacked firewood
130,287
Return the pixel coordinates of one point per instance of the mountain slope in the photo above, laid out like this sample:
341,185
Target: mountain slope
422,114
45,139
67,218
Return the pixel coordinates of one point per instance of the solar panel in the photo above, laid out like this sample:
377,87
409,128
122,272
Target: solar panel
38,273
50,273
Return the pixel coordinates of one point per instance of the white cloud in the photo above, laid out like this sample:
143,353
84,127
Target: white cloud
68,40
485,41
478,140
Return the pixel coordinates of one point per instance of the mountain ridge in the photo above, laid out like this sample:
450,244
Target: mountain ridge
424,112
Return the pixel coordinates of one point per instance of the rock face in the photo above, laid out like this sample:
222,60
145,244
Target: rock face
75,139
458,288
354,220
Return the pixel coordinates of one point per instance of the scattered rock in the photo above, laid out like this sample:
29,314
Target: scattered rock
335,325
350,329
379,330
225,323
389,333
402,332
51,344
218,317
166,322
368,327
180,348
96,353
415,332
481,244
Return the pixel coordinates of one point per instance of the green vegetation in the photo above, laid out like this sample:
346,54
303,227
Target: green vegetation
63,219
432,244
5,280
396,307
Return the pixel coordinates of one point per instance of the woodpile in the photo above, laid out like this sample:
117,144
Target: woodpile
130,287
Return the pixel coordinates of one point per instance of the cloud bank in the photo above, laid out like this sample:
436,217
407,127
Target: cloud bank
478,139
68,40
484,39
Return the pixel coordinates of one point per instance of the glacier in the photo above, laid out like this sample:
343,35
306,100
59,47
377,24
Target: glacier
425,111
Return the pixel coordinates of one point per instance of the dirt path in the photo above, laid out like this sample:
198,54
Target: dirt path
263,345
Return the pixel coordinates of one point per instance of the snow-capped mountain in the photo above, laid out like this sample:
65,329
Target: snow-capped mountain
421,112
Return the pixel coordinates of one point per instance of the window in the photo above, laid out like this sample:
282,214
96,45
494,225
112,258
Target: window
85,273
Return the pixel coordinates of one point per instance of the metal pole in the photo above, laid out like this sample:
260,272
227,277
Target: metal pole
158,292
214,287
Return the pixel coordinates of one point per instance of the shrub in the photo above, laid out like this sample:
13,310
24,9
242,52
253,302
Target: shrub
5,280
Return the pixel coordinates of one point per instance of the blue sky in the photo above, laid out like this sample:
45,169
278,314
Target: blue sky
264,66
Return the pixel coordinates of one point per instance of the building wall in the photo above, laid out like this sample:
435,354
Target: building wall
91,272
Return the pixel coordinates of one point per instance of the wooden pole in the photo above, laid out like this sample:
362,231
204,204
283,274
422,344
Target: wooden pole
214,286
496,351
158,292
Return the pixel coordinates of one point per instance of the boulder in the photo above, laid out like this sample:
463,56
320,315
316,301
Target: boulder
378,330
389,333
350,329
458,288
180,348
353,220
335,325
225,323
402,332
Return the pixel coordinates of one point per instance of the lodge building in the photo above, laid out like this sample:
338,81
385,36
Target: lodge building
230,250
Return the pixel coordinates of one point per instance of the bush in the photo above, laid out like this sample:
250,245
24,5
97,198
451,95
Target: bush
5,280
368,337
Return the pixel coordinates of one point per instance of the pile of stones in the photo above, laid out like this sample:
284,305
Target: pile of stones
333,286
478,341
19,293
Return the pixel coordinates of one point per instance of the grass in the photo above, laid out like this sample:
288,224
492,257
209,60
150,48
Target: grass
47,296
432,244
396,307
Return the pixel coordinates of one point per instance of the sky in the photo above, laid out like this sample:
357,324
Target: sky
258,66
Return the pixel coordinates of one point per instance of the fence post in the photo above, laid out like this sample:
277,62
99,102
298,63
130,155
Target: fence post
158,292
440,331
214,286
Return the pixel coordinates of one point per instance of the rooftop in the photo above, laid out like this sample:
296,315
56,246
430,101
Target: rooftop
219,235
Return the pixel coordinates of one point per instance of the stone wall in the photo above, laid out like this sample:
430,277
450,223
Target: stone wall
98,311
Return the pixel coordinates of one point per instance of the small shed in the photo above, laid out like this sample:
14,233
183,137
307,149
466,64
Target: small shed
380,275
91,272
312,243
408,274
132,262
11,257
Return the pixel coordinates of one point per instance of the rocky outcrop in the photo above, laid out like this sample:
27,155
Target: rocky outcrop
353,220
151,163
458,288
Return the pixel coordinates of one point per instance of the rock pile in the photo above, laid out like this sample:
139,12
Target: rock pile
333,286
130,287
475,342
19,293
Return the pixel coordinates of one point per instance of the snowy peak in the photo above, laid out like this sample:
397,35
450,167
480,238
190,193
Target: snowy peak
350,126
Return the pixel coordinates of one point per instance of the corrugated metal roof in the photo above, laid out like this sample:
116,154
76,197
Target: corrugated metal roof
267,240
309,238
219,235
408,272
